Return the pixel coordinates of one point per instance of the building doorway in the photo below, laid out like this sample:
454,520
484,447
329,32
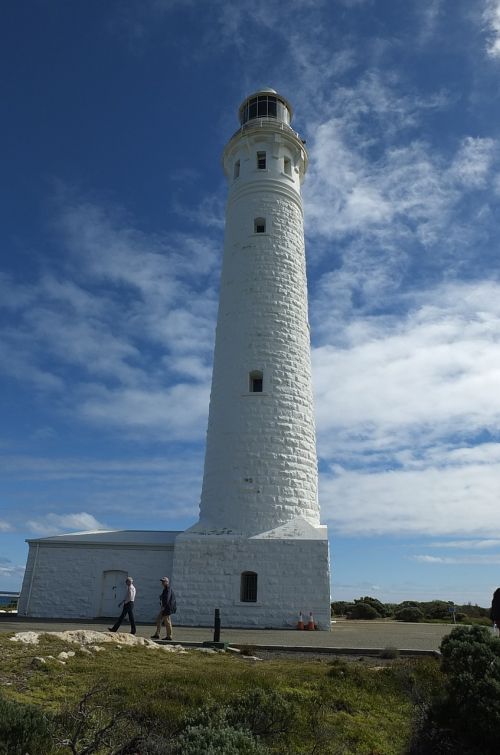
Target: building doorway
113,590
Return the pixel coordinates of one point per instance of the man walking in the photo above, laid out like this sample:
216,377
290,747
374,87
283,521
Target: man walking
128,607
167,607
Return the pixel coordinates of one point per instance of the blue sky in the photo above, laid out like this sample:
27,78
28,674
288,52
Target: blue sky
114,117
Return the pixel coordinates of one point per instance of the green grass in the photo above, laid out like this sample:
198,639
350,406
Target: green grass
339,707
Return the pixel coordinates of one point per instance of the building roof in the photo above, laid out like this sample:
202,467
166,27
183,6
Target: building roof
111,537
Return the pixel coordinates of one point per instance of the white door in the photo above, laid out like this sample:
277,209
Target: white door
113,590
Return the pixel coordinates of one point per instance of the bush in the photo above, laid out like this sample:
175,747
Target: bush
363,611
341,607
409,614
228,729
380,608
467,717
265,714
225,740
438,609
471,662
24,729
389,652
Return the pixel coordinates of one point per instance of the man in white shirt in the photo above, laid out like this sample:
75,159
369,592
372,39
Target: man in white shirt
128,607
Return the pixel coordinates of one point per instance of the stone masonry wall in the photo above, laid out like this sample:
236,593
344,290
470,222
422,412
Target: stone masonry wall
261,464
68,579
292,576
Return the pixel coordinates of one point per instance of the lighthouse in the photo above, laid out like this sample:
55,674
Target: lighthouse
258,551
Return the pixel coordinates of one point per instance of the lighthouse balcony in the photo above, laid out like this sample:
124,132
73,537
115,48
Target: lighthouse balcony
270,124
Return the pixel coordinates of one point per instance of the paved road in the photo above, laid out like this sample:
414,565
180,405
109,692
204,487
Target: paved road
344,634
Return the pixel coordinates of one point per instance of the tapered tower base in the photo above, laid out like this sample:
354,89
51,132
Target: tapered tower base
288,567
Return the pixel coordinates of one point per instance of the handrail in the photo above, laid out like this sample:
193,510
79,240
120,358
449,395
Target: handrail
261,122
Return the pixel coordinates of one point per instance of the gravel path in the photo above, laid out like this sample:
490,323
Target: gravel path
344,634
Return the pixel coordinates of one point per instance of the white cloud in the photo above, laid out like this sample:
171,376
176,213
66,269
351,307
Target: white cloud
473,161
125,332
491,17
471,560
170,412
406,193
484,544
5,526
11,571
435,501
53,524
428,14
434,371
112,488
402,402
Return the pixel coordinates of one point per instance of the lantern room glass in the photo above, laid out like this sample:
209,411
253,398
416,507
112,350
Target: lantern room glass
264,106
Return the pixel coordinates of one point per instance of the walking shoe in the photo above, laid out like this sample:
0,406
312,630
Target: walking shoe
155,636
168,638
110,629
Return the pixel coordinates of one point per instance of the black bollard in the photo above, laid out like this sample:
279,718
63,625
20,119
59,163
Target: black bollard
217,625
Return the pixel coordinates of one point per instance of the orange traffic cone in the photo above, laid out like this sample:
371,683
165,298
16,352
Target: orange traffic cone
310,624
300,623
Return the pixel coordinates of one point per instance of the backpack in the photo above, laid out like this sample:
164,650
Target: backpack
173,603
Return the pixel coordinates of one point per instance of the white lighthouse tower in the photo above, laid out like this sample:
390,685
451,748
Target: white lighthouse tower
259,552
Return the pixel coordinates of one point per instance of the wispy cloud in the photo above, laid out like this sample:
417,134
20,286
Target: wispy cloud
402,403
114,488
134,313
432,372
53,524
5,526
491,16
471,560
485,544
11,571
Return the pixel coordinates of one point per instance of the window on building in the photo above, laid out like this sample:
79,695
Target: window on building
287,166
256,381
261,160
259,225
248,587
236,169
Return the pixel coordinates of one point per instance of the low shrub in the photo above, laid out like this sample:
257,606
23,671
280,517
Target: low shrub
224,740
389,652
24,729
466,717
409,614
363,611
267,714
380,608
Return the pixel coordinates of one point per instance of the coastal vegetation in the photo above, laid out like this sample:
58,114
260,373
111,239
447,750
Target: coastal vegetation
119,700
411,610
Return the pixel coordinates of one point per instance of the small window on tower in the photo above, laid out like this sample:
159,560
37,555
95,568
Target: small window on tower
287,165
256,381
236,169
248,587
261,160
259,225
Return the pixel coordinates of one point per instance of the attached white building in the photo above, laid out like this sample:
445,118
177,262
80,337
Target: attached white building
82,575
258,551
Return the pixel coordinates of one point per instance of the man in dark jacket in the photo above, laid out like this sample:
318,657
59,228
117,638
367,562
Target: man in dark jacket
167,607
495,608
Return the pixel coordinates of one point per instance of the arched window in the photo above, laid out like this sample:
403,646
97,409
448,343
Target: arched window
256,381
287,166
259,225
261,160
248,587
236,169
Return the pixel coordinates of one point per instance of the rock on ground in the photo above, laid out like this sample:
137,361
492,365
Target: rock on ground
95,639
